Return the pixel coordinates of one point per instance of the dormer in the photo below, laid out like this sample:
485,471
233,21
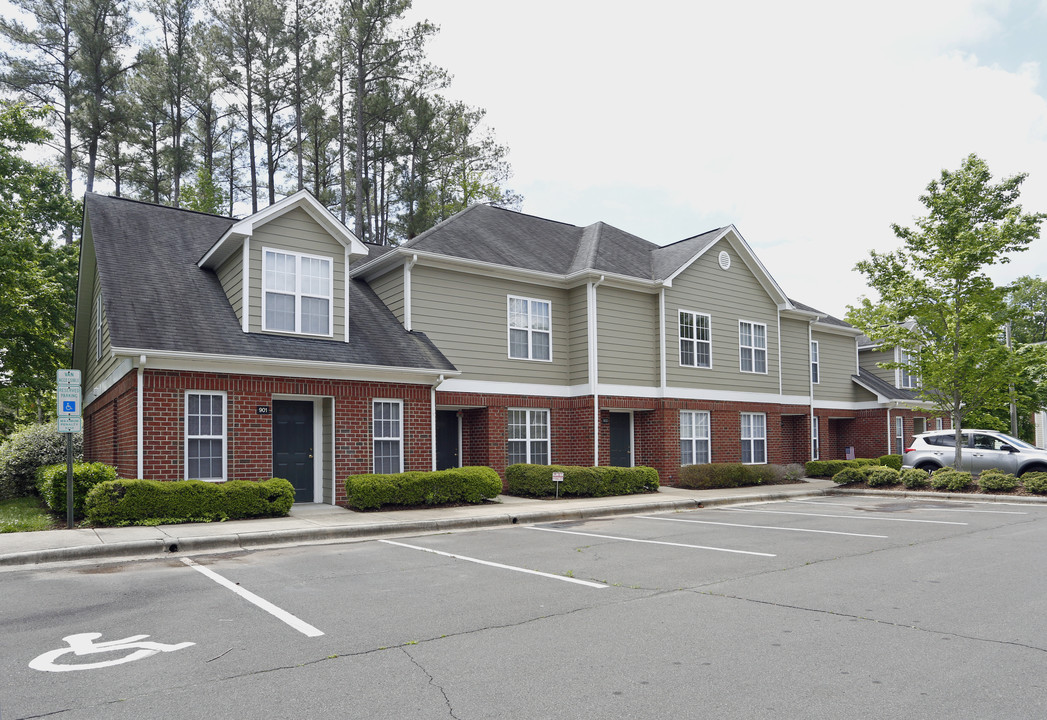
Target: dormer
283,269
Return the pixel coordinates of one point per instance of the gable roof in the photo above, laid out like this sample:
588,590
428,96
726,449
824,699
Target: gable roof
157,299
884,390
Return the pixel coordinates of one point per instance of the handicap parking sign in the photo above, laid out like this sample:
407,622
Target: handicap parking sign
69,406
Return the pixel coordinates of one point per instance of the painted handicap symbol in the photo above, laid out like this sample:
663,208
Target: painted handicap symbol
84,644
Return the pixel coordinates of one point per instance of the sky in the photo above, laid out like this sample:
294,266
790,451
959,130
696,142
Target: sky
810,125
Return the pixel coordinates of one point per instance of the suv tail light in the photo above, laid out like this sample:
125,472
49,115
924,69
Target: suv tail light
909,449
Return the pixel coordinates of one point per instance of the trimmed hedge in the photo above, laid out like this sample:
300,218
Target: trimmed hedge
849,474
51,484
441,487
727,475
891,461
881,475
537,480
914,478
28,449
154,502
947,478
996,481
829,468
1035,482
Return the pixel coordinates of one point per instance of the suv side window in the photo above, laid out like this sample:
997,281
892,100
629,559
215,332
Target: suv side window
948,440
987,442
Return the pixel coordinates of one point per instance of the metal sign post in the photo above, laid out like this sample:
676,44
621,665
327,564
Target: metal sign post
69,421
557,479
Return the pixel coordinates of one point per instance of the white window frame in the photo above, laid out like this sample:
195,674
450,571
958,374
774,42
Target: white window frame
98,328
298,294
750,439
529,329
899,434
695,342
398,437
755,350
222,436
528,440
939,423
816,447
816,370
907,380
691,443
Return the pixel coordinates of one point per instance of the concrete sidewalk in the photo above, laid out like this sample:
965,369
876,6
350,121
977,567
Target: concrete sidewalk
314,523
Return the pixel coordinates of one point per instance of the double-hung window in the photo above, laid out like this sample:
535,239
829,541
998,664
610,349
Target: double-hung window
528,437
388,436
754,438
899,434
907,377
695,340
814,362
694,437
297,293
752,346
205,436
815,444
530,329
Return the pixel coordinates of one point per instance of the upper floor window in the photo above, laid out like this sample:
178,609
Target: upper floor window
814,361
752,346
907,377
530,329
695,340
296,293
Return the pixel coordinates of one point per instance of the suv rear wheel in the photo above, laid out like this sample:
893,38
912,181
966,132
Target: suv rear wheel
927,467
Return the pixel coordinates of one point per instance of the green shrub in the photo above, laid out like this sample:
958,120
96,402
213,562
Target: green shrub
727,475
537,480
466,484
1035,482
51,484
881,475
793,472
829,468
946,478
29,449
152,502
914,478
891,461
996,481
849,475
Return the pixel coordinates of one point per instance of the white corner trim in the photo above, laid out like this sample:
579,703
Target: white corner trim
245,289
139,418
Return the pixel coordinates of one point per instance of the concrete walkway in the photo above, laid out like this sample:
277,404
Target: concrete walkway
315,523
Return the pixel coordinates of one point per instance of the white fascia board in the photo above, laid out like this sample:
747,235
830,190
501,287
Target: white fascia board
302,199
852,332
844,405
122,368
394,258
242,365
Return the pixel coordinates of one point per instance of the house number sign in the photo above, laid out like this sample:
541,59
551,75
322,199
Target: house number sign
262,410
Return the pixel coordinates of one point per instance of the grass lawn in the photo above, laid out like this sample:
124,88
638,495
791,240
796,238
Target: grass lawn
24,514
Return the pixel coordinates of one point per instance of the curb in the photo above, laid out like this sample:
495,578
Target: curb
175,546
916,494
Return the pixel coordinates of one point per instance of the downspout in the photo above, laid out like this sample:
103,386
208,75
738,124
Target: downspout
810,380
407,292
594,365
140,420
432,418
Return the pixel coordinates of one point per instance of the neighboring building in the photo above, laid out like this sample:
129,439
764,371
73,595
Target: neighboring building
1040,422
281,345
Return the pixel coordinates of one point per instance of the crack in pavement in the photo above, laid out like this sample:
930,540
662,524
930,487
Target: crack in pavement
432,682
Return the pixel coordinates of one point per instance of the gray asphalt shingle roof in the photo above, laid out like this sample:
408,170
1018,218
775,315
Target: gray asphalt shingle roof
884,389
157,298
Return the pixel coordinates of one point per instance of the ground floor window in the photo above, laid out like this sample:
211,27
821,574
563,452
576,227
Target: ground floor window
204,436
694,437
528,437
388,436
899,435
815,449
938,424
754,438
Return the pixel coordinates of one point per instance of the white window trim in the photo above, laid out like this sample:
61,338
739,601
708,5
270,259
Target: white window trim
902,356
530,345
695,341
939,423
755,349
695,439
816,441
298,294
375,438
751,440
899,434
98,328
527,440
224,437
816,364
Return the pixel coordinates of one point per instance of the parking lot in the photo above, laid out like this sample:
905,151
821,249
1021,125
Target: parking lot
821,608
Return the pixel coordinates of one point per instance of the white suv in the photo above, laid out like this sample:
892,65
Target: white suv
982,450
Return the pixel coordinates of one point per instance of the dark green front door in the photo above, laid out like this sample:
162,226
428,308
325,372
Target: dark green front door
621,439
293,445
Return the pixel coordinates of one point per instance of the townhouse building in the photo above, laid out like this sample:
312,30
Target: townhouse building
280,344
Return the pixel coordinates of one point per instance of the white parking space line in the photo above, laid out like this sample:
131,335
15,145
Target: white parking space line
845,517
576,581
760,527
937,509
652,542
279,613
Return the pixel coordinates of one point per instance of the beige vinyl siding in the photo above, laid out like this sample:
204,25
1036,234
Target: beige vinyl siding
390,289
837,360
466,315
98,370
870,359
796,357
295,231
231,275
578,334
628,337
727,296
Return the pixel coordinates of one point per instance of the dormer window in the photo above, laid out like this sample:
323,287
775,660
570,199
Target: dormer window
296,293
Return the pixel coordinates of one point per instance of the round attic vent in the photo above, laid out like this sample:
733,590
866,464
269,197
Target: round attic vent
725,260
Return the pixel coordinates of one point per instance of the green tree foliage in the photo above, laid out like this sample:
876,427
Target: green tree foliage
936,301
37,277
1027,310
204,195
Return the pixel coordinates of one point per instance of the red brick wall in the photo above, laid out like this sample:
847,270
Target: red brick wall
111,427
